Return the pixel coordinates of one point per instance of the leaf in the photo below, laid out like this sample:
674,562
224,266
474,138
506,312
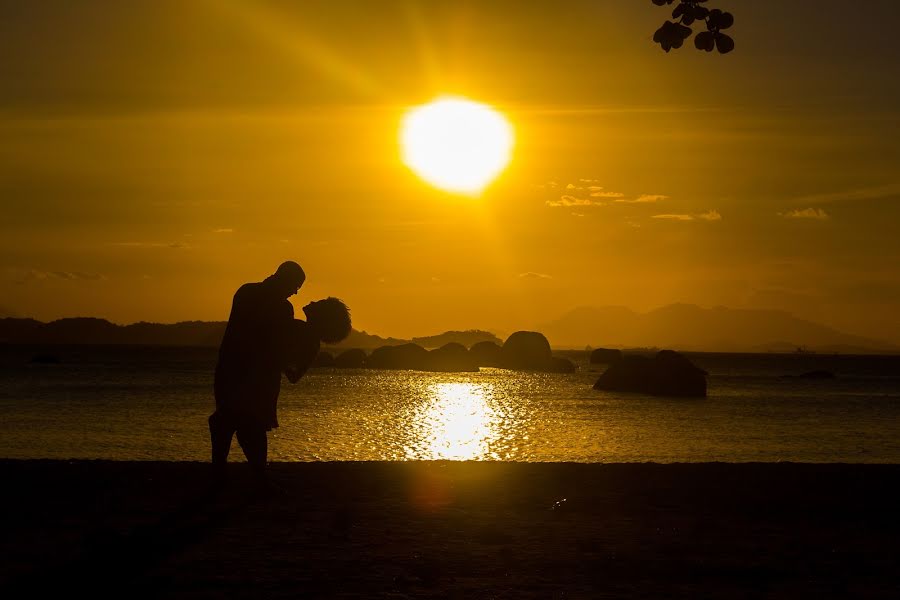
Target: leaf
724,43
705,40
726,20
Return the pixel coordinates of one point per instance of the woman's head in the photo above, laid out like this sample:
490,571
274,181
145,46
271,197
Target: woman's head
330,318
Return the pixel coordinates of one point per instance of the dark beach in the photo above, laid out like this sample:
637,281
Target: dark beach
453,530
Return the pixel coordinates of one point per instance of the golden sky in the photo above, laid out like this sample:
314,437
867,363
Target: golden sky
154,155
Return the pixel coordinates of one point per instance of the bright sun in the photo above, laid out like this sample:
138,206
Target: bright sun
456,144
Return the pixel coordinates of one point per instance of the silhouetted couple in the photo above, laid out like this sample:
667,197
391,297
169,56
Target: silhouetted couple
262,341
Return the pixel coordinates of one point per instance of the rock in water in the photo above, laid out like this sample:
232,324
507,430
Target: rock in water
324,359
666,374
351,359
486,354
452,357
404,356
605,356
559,364
527,350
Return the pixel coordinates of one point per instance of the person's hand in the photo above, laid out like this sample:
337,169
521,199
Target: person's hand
292,374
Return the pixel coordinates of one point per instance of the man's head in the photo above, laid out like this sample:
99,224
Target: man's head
288,278
329,318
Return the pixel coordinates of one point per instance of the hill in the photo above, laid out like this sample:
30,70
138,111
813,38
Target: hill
93,331
690,327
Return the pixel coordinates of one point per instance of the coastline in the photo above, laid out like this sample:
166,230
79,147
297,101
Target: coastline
453,529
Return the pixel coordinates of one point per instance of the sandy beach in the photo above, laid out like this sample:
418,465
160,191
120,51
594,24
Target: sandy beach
452,530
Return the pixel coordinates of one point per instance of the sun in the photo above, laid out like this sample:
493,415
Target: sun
456,144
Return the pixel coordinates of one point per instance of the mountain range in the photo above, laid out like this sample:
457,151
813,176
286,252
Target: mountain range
677,326
93,331
690,327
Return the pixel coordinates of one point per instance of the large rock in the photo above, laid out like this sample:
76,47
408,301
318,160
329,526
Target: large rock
486,354
526,350
559,364
605,356
404,356
666,374
324,359
351,359
452,357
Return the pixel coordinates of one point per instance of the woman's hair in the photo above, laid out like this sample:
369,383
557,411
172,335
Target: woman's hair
330,318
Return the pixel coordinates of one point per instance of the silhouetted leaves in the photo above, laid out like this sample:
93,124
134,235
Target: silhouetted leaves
686,13
705,40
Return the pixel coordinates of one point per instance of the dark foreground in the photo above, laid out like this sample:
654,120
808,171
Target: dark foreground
452,530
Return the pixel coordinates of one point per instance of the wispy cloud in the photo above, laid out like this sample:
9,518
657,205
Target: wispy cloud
710,215
817,214
586,192
643,199
175,245
574,201
533,275
675,217
23,276
866,193
223,230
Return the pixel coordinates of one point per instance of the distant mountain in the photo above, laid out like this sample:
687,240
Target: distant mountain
92,331
690,327
86,330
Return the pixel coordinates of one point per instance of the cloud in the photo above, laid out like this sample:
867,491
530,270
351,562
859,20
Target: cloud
533,275
177,245
592,187
223,230
675,217
867,193
807,213
644,199
597,191
574,201
577,214
30,275
710,215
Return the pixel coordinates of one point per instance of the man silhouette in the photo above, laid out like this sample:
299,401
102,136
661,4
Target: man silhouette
248,372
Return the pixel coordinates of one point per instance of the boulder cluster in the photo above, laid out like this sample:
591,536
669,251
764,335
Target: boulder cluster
522,351
666,374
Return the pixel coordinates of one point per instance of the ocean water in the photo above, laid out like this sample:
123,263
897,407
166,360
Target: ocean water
141,403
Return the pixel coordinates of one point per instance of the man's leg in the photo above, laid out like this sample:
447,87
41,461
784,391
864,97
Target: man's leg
221,430
256,447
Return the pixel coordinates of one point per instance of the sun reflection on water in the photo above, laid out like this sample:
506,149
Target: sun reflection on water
455,422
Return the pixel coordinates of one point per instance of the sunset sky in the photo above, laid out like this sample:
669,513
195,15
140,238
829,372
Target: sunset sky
154,155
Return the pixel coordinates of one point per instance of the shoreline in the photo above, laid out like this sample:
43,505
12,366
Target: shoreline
453,529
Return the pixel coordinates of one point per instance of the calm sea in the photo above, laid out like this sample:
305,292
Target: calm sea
135,403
